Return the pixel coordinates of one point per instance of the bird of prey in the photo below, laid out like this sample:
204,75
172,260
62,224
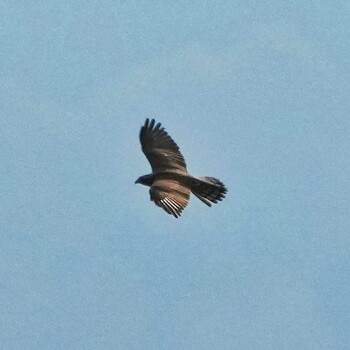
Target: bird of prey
170,183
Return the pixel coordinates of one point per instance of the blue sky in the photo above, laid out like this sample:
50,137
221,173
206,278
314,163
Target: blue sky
256,94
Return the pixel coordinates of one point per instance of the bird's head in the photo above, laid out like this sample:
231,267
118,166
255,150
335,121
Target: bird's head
145,180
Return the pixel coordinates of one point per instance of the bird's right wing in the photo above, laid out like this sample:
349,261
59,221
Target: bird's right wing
170,195
160,149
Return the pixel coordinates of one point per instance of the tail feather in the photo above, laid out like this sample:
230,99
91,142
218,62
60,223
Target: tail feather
208,190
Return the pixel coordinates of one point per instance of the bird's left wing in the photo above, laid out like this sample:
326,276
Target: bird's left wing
160,149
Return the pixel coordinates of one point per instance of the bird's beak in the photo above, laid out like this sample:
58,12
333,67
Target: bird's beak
137,181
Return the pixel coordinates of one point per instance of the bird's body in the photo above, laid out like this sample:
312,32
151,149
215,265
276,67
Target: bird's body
170,184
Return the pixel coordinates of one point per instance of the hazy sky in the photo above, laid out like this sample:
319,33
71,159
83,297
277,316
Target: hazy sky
256,94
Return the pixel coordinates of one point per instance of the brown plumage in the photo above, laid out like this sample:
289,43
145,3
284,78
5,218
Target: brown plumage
170,184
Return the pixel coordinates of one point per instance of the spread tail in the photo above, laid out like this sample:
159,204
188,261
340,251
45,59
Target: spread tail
208,189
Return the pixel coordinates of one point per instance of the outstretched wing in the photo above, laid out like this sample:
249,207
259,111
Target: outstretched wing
170,195
160,149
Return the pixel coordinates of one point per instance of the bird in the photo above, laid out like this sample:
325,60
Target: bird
170,183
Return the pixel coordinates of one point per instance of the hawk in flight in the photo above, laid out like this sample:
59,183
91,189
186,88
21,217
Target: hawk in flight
170,183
